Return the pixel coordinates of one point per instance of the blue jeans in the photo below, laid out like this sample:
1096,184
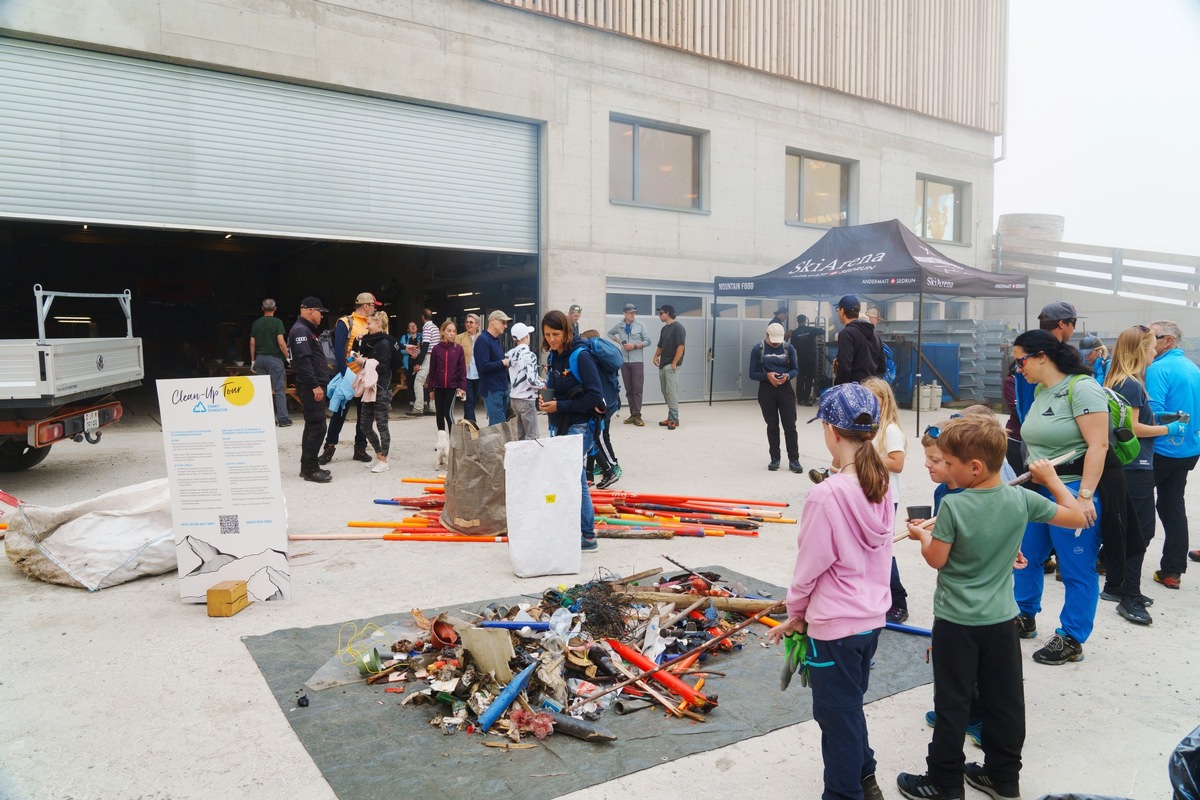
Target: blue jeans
839,672
587,515
496,404
1077,563
273,366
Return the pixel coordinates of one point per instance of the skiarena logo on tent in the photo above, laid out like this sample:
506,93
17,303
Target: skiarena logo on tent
861,264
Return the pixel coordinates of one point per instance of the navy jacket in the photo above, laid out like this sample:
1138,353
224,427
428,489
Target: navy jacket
308,361
580,397
489,361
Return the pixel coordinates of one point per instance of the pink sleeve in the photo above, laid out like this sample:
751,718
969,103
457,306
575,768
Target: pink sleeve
813,557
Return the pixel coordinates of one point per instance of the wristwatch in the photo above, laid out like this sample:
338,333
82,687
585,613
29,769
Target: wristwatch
1086,494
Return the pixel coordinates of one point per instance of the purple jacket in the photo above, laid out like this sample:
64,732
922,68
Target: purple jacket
448,367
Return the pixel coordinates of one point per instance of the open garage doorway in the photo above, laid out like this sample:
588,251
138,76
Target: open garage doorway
195,294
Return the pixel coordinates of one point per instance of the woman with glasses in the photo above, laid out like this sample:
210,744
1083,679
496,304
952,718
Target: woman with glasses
1069,414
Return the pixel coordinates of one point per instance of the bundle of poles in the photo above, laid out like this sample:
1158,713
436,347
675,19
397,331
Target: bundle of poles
619,515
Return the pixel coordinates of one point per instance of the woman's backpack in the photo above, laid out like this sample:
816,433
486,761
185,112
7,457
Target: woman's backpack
1121,441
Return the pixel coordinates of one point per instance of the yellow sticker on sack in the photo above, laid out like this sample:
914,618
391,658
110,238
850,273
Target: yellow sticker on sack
551,498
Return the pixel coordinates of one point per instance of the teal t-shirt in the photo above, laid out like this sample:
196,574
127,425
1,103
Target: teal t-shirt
984,528
1050,429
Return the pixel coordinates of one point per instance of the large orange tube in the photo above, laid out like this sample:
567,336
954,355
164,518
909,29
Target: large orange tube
668,680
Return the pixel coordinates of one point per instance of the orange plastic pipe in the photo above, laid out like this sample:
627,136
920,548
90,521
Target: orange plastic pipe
668,680
435,481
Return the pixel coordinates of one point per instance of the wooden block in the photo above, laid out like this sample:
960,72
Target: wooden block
227,598
227,609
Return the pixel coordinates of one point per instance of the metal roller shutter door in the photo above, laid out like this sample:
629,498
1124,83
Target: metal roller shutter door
94,137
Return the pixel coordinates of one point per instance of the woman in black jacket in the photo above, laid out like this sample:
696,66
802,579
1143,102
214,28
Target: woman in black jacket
379,345
577,406
773,363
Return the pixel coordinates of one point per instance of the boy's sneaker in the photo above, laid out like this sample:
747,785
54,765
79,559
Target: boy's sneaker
1026,626
1132,609
774,465
897,614
870,788
919,787
608,480
977,776
589,545
974,729
1061,648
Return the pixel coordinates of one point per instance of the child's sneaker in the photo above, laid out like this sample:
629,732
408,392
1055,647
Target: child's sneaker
1026,626
589,545
1061,648
870,788
978,777
919,787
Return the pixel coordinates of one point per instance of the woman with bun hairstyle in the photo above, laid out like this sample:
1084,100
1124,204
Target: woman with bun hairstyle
1069,413
840,592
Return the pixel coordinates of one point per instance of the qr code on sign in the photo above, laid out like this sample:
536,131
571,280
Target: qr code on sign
229,523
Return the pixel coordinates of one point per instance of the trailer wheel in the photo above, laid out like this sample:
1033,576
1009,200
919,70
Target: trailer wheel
16,456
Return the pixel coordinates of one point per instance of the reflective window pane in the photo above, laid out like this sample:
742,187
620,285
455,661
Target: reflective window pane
791,203
685,305
818,191
667,168
938,210
615,303
620,160
918,224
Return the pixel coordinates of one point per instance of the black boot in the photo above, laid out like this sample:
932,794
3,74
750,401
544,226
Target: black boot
360,454
326,454
316,475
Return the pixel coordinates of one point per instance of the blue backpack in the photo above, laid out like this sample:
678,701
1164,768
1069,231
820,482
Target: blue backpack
889,364
609,359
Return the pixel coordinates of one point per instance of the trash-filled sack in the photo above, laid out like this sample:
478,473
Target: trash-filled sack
543,498
1184,768
475,477
96,543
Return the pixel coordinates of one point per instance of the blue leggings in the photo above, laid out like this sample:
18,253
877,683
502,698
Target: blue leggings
1076,561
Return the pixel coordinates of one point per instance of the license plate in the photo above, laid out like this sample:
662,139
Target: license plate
91,421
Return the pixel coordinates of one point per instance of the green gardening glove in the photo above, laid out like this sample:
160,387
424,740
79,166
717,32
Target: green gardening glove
795,653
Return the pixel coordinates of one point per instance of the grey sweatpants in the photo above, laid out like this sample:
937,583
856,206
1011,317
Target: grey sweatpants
526,411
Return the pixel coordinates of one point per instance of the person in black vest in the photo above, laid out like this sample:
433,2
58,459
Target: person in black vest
860,351
312,376
804,339
773,364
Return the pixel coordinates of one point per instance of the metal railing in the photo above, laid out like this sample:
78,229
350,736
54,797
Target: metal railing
45,299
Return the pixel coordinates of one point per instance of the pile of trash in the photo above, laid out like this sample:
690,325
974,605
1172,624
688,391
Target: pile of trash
560,663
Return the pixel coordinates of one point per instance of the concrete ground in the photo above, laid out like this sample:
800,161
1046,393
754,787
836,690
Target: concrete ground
127,693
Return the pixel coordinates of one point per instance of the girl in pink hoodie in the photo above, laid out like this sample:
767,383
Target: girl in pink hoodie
840,587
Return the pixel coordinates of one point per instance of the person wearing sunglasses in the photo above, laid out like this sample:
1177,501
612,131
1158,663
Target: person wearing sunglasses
1173,383
1068,413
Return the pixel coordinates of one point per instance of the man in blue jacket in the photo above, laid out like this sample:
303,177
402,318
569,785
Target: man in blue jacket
493,367
312,374
1173,383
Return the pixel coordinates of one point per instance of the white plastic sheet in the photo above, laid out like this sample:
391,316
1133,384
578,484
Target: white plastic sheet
96,543
542,494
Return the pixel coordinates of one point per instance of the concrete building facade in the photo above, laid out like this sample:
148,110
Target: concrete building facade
592,77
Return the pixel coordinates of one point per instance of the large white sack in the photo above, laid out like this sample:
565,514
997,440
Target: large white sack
96,543
542,496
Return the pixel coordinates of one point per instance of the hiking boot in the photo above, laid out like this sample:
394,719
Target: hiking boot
317,476
774,465
1049,566
870,788
1026,626
977,775
897,614
794,466
1061,648
1132,609
360,454
919,787
1115,597
1167,580
638,421
609,479
326,454
629,420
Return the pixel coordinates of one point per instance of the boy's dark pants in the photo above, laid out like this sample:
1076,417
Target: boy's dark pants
839,673
987,656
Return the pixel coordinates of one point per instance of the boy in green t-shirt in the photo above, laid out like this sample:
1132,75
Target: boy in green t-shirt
974,634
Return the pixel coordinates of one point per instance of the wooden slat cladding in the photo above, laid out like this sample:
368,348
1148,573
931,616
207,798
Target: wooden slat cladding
942,58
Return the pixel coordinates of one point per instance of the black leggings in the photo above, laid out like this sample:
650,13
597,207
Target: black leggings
443,401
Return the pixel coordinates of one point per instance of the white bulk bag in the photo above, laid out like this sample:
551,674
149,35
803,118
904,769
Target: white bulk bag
542,495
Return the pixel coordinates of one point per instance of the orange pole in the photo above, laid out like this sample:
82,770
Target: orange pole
435,481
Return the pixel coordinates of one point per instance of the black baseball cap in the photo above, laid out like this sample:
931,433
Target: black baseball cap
314,302
849,303
1058,311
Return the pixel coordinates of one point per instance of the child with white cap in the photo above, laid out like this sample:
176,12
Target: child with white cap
524,379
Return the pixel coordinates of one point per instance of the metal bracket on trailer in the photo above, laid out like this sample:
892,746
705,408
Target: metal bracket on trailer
45,299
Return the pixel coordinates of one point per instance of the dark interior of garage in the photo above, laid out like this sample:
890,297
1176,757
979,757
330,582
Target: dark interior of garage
196,293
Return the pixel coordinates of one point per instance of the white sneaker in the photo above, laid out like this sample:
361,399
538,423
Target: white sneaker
381,466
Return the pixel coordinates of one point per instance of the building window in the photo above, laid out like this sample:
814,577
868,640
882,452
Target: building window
938,209
653,166
818,191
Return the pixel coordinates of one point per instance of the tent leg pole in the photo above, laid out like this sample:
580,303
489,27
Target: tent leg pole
920,336
712,350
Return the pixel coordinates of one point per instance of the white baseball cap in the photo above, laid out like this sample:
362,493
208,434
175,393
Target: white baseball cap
520,331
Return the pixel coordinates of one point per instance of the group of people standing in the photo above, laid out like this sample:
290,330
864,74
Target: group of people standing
988,539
